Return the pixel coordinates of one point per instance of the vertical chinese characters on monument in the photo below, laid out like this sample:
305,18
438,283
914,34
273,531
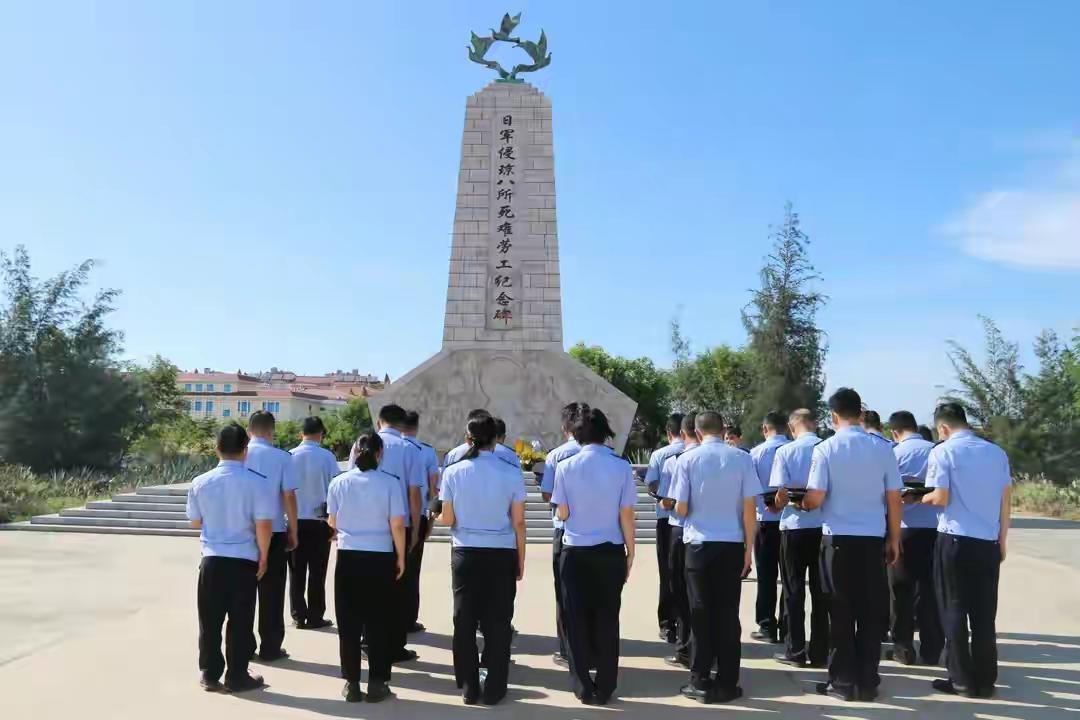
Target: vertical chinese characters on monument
508,222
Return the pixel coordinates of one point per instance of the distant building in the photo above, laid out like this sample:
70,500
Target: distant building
211,393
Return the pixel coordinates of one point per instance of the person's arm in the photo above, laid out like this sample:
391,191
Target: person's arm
627,522
547,482
415,505
680,490
517,517
194,514
397,531
652,473
446,498
331,520
264,530
778,478
558,495
196,524
447,517
288,497
1006,517
817,484
894,511
749,524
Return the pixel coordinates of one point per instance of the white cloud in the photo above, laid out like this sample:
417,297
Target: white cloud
1036,227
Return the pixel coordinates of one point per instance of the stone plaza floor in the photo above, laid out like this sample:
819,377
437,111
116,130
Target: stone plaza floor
96,626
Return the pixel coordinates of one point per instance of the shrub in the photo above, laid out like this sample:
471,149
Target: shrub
1039,495
21,492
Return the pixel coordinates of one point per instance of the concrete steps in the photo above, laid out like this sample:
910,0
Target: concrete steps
161,510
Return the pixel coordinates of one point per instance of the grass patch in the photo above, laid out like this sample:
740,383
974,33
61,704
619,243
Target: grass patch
1040,496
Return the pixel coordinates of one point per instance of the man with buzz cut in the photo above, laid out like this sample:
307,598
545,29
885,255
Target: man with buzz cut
429,461
972,489
855,481
664,613
767,538
234,514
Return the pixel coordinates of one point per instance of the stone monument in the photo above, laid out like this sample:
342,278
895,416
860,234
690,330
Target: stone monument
502,337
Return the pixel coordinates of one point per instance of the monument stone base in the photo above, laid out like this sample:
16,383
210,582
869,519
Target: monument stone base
526,388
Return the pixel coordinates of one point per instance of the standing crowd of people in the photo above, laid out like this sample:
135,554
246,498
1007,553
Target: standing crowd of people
887,537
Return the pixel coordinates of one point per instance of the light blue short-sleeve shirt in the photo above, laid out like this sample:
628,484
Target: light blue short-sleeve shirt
976,473
667,477
228,500
280,476
714,479
507,454
430,461
314,467
363,502
401,459
455,455
483,490
855,470
791,469
763,456
423,464
596,484
551,462
656,466
913,458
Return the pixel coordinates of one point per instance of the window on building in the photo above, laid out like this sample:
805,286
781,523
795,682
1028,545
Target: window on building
209,407
272,407
209,387
243,408
198,406
226,412
228,387
187,387
198,387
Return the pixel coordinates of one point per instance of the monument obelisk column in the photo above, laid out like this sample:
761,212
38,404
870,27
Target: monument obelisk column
502,343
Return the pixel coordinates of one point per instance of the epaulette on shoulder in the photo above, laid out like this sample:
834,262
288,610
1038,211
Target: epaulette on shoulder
423,443
257,473
451,463
620,457
877,437
564,459
396,477
508,461
410,441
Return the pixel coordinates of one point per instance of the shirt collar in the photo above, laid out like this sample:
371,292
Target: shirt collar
962,434
806,434
777,439
259,441
711,440
230,463
690,446
595,447
309,443
852,429
391,431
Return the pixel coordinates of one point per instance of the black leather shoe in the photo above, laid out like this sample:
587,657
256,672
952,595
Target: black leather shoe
677,661
470,695
589,699
351,692
840,693
378,691
244,683
727,694
300,624
318,624
560,660
901,654
701,695
765,636
210,684
794,661
417,628
947,687
985,692
866,694
404,657
279,654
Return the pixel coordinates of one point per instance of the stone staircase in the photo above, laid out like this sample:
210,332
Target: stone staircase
160,510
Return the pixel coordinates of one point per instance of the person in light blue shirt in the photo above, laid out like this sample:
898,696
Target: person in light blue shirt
680,601
367,511
664,613
872,424
911,579
595,493
401,458
280,485
483,503
714,489
973,489
458,452
855,481
234,516
501,449
314,467
800,547
570,414
767,538
429,468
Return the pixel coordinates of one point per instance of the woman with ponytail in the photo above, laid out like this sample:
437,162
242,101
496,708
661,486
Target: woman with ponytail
367,510
483,502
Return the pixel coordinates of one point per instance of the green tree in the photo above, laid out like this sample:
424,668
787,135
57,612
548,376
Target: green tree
64,401
161,404
781,322
287,434
343,426
638,379
994,389
720,378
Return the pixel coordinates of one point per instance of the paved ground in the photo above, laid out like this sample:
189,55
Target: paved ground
104,627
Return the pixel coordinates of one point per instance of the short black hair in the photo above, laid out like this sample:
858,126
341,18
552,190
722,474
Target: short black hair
872,420
846,403
927,433
500,427
232,439
951,414
734,430
689,424
569,415
367,450
261,421
312,425
412,420
775,420
674,423
592,427
478,412
710,423
903,421
392,415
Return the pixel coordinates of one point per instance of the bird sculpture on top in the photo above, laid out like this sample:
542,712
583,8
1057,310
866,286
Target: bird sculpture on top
537,51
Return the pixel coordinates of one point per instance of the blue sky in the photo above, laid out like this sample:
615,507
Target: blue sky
273,184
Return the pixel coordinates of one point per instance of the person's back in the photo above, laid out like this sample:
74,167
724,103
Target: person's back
913,459
273,465
314,467
976,474
791,469
714,479
363,503
482,490
596,484
226,499
857,469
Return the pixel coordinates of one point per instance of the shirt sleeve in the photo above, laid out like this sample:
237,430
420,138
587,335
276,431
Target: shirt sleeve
446,490
193,511
652,474
819,472
750,485
290,478
519,489
558,495
893,481
628,496
680,484
397,502
937,471
778,477
1005,468
332,469
547,483
266,503
332,502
